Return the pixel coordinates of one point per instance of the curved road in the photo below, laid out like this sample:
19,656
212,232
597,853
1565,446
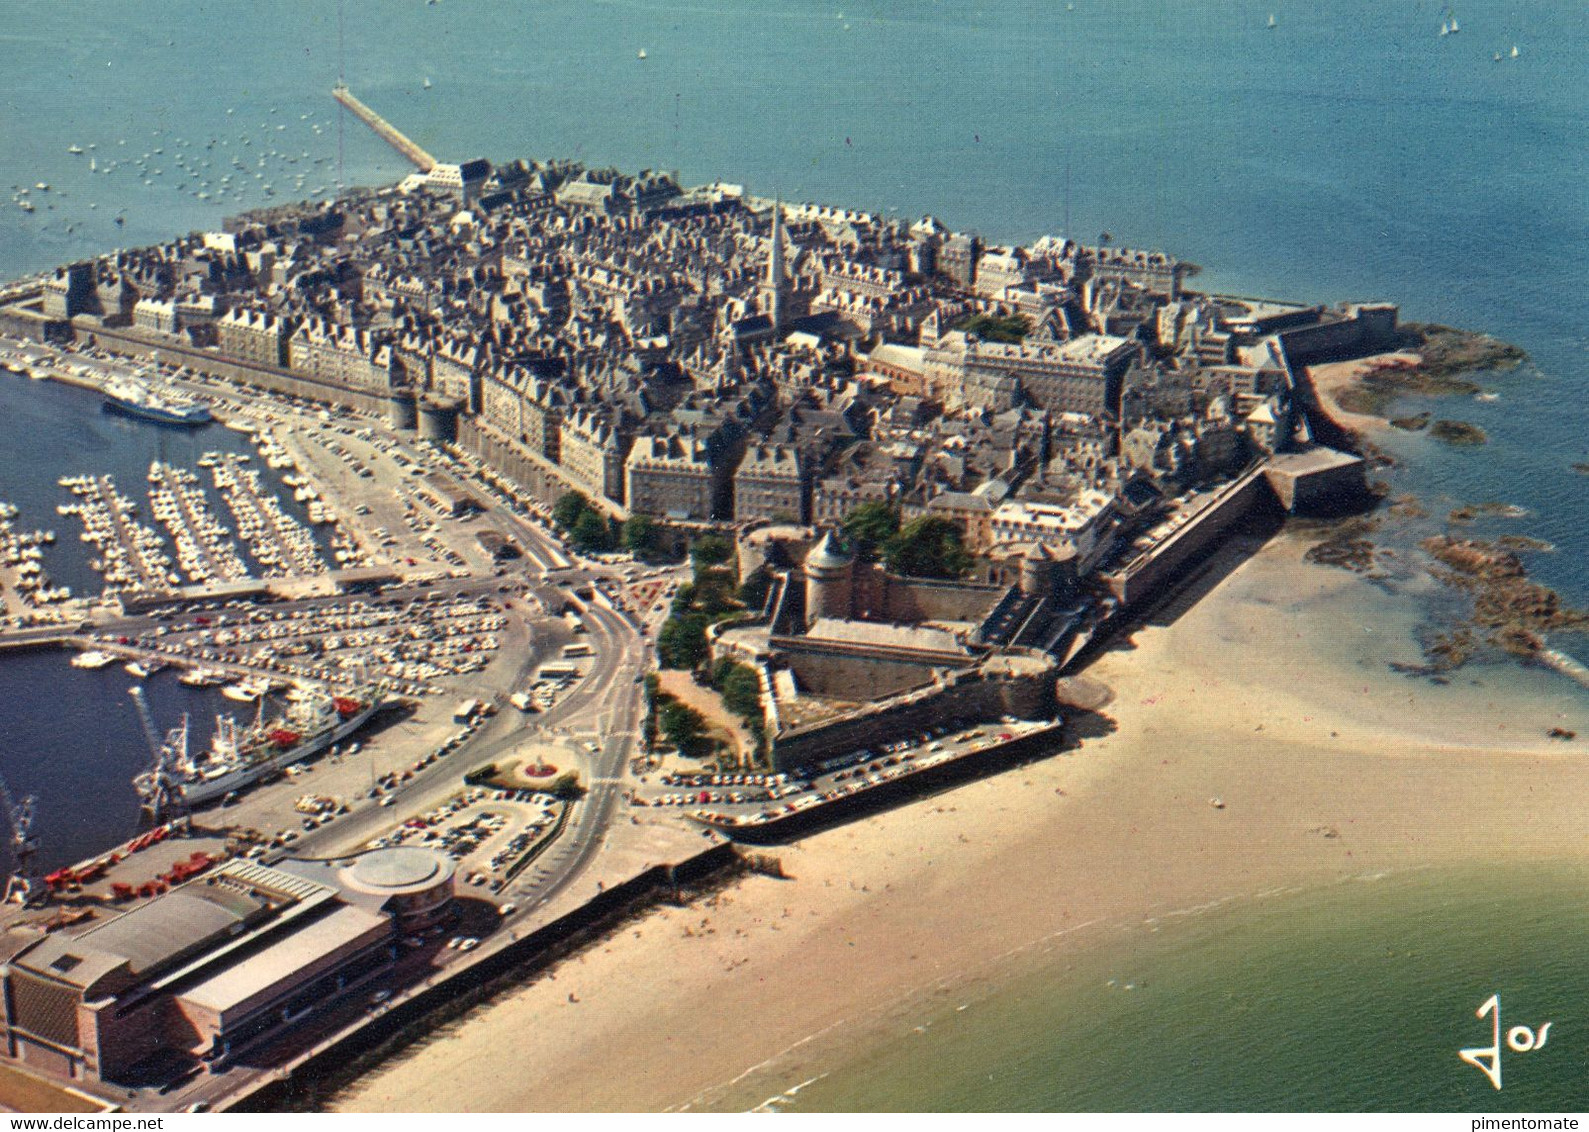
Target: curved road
607,704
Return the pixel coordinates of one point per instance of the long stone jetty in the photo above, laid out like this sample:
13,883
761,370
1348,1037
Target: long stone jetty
387,132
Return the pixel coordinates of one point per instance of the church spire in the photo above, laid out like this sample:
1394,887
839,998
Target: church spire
773,289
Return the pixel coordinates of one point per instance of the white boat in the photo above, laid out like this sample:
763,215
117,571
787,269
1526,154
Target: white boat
427,82
641,54
93,658
1515,52
202,678
1272,23
245,691
239,758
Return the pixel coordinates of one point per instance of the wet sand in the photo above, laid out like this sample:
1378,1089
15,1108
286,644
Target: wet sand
1331,379
1270,693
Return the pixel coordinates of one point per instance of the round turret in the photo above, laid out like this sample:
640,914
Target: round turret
1037,571
829,572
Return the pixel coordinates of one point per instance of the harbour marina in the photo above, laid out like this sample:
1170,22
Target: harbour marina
204,550
132,557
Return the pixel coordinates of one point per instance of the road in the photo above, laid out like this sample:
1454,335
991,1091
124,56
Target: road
604,708
602,713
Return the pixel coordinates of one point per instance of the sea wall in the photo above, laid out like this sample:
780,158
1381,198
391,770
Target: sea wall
1319,481
19,321
134,343
1369,327
992,760
969,695
1145,575
337,1059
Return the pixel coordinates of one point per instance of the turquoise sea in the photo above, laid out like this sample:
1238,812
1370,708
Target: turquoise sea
1356,997
1351,152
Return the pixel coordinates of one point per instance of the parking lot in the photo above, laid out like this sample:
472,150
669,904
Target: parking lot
489,833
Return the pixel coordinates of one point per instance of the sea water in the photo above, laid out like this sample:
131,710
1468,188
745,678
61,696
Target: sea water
1357,997
1350,152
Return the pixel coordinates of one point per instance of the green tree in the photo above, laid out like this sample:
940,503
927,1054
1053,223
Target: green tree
741,690
710,550
566,785
714,592
639,534
753,593
568,509
996,328
654,693
683,726
681,642
591,532
928,547
871,525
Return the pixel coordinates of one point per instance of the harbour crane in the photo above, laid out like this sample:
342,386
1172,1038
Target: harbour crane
154,785
22,886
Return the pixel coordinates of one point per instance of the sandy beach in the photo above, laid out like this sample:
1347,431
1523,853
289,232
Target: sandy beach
1331,379
1270,693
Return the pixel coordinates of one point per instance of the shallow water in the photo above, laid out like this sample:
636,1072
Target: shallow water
1354,997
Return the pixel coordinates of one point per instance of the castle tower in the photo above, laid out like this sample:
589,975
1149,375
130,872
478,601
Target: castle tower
1049,571
1037,572
829,570
773,289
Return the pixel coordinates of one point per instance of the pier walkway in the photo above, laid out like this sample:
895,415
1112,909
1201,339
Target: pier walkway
384,130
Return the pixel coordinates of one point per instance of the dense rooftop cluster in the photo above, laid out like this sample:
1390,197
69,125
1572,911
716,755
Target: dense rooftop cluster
702,355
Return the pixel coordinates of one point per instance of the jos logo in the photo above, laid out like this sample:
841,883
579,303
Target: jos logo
1519,1039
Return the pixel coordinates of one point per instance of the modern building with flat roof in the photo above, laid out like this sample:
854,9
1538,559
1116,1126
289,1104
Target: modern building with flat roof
215,964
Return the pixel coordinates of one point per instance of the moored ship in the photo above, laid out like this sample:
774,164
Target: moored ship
134,399
239,757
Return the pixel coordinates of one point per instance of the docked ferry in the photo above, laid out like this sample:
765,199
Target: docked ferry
135,399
